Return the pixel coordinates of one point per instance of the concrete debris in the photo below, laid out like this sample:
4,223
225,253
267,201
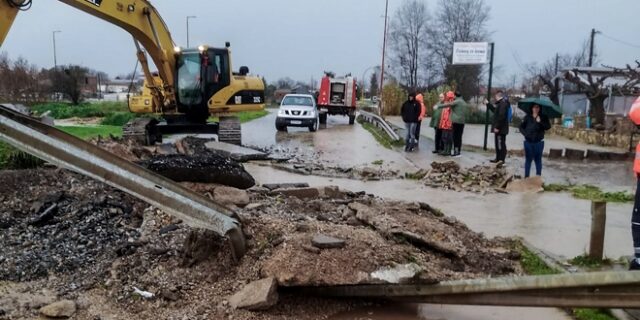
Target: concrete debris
257,295
231,196
479,179
399,274
300,193
142,293
60,309
274,186
237,153
322,241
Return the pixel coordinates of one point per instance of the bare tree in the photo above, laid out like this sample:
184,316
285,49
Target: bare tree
285,83
409,35
69,80
542,76
460,21
594,86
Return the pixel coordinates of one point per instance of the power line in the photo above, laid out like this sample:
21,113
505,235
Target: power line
620,41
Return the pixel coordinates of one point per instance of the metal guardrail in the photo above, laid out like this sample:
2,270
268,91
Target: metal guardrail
50,144
380,123
596,290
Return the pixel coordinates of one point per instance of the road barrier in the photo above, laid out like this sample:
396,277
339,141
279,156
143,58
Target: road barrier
380,123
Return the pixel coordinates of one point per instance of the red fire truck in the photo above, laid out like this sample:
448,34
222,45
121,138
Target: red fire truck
337,96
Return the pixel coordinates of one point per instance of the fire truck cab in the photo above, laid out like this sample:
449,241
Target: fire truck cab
337,96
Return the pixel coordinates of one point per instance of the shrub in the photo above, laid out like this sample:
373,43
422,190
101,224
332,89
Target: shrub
393,97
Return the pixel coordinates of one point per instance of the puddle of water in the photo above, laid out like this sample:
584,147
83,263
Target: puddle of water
441,312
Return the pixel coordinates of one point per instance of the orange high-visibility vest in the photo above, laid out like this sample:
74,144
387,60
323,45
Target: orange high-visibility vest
636,162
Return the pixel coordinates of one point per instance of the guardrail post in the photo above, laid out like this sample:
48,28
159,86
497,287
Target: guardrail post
598,224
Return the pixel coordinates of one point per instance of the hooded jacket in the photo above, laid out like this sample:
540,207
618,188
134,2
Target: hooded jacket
410,111
435,118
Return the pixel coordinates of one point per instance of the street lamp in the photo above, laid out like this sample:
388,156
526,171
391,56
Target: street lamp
55,58
189,17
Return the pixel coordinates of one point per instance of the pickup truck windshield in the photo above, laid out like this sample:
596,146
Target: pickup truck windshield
297,101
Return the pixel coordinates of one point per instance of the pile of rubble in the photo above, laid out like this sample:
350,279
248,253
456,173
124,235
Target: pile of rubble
113,256
478,179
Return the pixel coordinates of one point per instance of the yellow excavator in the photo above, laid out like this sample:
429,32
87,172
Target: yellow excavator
191,84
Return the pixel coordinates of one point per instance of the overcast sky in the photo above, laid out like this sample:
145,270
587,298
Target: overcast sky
302,38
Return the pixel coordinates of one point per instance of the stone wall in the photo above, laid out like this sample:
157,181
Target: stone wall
594,137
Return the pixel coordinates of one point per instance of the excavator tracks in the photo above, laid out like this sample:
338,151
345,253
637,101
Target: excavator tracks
230,130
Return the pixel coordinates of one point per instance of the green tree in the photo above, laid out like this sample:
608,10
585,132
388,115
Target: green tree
374,85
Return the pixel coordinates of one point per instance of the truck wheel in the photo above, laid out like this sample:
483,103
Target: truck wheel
352,120
230,131
281,128
323,118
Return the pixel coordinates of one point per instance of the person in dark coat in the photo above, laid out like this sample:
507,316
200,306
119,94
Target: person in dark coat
500,126
410,115
532,128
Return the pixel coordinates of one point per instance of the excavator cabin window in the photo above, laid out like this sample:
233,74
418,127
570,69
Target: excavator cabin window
217,71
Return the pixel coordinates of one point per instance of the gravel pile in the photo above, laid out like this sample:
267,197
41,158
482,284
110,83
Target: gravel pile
479,179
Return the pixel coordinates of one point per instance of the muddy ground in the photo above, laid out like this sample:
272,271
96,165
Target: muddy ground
64,236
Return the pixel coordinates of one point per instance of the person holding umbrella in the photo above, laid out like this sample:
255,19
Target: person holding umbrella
532,128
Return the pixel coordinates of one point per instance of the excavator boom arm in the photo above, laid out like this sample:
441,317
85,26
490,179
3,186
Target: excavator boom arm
138,17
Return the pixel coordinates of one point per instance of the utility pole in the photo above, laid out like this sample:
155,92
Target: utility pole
492,45
557,81
55,57
384,49
591,46
189,17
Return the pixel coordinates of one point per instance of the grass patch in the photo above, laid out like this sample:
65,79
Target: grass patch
14,159
589,192
588,262
381,136
593,314
84,110
118,118
377,162
93,131
246,116
532,264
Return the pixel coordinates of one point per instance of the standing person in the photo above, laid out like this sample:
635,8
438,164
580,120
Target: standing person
446,126
532,128
435,124
458,118
423,111
500,126
410,115
634,114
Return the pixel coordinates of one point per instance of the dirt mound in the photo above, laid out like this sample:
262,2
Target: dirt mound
101,244
479,179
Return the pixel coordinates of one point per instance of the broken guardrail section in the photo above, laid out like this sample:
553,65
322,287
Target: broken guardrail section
50,144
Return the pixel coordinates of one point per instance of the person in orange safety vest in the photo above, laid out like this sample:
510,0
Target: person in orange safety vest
634,115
